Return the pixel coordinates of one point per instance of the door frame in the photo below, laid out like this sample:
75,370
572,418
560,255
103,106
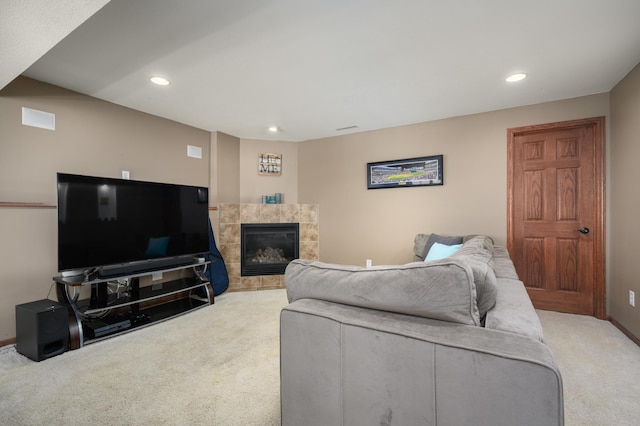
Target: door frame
597,124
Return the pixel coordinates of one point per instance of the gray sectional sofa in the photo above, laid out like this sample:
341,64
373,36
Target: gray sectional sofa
454,341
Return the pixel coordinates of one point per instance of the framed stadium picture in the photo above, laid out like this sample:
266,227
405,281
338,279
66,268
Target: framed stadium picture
421,171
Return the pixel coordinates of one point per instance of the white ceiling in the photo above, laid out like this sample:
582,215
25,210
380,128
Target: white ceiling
313,66
29,28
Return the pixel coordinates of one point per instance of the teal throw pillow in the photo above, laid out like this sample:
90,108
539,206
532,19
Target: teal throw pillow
440,251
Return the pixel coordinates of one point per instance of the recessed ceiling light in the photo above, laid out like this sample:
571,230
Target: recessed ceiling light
274,129
515,77
160,81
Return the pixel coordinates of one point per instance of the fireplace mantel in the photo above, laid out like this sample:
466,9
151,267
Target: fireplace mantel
231,216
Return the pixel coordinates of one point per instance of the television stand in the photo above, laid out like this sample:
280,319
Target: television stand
104,307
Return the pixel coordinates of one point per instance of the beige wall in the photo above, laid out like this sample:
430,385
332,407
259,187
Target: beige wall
225,171
625,201
92,137
253,186
358,224
234,170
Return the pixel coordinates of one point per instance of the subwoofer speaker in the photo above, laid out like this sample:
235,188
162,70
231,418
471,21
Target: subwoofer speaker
42,329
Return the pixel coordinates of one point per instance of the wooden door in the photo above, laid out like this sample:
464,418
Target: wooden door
555,232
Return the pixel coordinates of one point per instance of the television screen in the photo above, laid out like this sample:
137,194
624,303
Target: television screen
105,222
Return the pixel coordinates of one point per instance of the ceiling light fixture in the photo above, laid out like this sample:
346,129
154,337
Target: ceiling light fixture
274,129
515,77
160,81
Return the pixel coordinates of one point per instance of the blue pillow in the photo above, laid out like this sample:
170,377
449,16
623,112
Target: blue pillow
440,251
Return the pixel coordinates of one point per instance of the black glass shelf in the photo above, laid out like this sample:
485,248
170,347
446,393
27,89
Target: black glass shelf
146,293
101,328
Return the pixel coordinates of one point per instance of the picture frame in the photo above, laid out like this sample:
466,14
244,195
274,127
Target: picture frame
409,172
270,164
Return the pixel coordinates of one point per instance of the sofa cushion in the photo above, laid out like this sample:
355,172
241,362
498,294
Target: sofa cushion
478,242
477,253
441,290
470,236
514,311
502,264
423,242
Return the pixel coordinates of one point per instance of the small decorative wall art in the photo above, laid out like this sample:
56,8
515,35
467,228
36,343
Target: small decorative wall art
270,164
419,171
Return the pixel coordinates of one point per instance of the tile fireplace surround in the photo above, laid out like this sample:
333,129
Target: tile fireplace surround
231,216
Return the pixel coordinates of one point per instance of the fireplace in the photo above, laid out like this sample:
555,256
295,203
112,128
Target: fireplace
267,248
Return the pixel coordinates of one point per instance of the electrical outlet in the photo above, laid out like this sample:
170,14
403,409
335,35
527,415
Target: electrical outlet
368,263
632,298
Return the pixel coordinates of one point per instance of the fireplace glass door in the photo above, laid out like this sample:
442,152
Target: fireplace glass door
267,248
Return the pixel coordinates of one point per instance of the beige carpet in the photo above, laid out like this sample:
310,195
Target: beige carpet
600,369
215,366
220,366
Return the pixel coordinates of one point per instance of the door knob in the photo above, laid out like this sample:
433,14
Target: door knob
584,230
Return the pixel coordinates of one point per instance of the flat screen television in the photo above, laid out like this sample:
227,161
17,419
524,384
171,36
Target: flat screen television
114,226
